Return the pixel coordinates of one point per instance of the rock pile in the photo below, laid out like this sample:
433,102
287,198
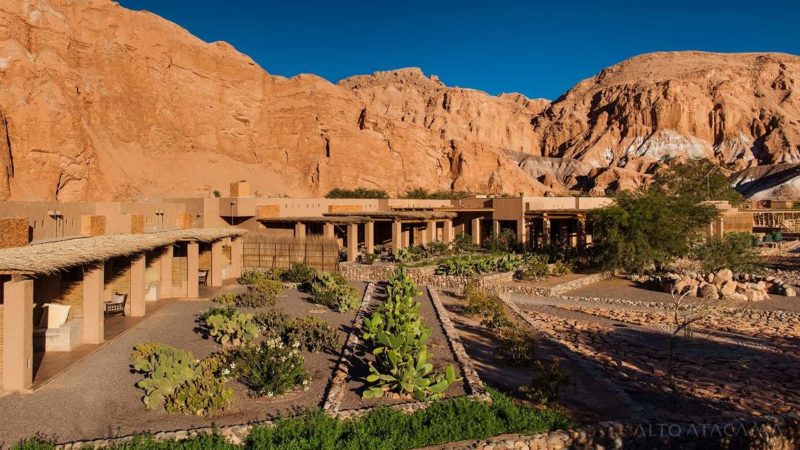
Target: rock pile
724,284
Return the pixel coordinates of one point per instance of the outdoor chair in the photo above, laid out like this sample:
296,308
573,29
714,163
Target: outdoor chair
116,305
202,277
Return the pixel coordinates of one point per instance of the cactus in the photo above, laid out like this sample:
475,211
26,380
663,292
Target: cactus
230,327
332,290
167,368
398,339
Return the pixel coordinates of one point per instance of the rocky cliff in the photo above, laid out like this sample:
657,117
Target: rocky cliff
100,102
741,110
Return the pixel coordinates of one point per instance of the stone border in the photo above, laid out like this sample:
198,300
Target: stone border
767,432
338,382
471,377
585,365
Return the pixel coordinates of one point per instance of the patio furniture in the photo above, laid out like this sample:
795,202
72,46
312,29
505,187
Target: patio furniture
202,277
54,332
116,305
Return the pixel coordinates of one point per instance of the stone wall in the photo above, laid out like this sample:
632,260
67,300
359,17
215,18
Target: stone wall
765,433
93,225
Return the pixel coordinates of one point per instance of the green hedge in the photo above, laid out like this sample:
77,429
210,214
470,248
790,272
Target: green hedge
444,421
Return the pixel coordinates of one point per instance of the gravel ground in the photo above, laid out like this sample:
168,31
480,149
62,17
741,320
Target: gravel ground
97,397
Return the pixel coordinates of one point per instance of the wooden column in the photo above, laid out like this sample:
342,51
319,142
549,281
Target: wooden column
421,235
369,237
137,291
476,231
215,274
406,238
17,335
165,289
495,227
93,325
447,231
397,235
237,244
192,269
352,241
300,230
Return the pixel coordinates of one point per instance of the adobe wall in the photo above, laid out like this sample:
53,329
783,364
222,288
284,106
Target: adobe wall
118,279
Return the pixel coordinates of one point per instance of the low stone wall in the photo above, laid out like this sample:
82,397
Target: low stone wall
765,433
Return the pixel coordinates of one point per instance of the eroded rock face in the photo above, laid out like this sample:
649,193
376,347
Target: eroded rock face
741,110
102,102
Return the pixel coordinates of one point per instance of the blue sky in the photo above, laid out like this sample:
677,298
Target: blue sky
537,48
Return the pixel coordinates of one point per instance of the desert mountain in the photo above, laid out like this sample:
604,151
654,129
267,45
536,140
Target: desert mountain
99,102
741,110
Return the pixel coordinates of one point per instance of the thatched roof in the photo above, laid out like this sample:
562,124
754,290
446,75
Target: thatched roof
52,257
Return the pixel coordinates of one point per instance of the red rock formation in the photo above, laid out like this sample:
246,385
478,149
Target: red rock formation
107,103
741,110
100,102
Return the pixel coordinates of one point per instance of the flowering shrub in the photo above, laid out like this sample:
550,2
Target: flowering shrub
270,368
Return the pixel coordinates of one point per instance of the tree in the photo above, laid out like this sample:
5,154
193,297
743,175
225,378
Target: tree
647,228
733,251
357,193
698,179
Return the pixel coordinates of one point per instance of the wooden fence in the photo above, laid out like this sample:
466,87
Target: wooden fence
266,252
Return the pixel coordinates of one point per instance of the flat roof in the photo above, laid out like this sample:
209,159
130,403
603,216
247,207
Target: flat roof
314,219
51,257
399,215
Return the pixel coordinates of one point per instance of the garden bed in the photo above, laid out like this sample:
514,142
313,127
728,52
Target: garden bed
357,361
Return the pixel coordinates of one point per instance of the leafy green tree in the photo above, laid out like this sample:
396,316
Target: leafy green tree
424,194
698,179
647,228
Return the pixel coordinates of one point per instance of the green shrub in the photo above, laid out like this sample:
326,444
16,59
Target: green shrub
534,267
384,428
476,265
298,273
274,322
560,268
397,337
313,334
259,294
463,244
504,242
270,368
546,385
734,251
226,298
369,259
228,326
357,193
480,303
204,395
255,276
332,290
517,346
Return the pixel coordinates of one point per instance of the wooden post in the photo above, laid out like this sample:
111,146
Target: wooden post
299,230
431,231
545,230
137,291
93,326
17,335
